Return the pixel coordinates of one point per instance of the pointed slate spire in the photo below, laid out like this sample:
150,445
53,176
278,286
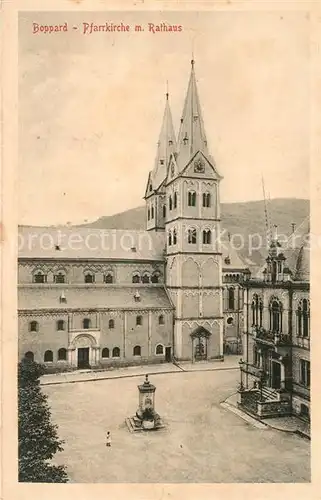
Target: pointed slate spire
192,137
165,146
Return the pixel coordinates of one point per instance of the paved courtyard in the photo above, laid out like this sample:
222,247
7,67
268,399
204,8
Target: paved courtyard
203,441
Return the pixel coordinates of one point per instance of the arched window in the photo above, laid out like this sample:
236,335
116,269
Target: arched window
136,278
89,278
152,212
275,316
169,238
48,357
231,298
137,350
174,236
33,326
164,211
148,213
111,324
161,320
175,200
159,349
105,352
86,324
30,356
192,238
191,199
40,277
303,318
145,278
206,200
257,310
170,203
109,278
116,352
62,354
155,277
139,320
60,277
207,237
60,324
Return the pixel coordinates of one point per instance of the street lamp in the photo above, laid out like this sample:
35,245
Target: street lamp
241,362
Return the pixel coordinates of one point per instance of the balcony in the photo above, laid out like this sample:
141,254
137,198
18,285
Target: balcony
251,370
271,338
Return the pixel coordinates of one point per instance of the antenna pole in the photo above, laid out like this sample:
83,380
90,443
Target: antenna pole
266,213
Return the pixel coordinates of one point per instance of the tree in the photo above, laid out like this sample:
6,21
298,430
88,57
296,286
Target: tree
38,437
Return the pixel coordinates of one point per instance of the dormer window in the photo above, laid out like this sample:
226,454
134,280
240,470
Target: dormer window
145,278
39,277
136,278
170,142
60,277
185,140
109,278
89,278
161,162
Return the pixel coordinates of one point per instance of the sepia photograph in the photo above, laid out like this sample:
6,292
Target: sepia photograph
163,247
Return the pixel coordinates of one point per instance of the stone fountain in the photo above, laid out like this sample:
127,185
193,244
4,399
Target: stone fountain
146,418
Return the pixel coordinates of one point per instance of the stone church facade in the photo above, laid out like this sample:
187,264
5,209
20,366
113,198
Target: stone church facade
99,298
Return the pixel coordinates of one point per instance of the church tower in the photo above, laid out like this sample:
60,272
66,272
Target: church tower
192,229
155,195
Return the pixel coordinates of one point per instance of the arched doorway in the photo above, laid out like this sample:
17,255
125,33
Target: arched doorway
200,339
85,348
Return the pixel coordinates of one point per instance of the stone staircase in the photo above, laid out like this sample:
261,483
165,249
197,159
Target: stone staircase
133,424
269,394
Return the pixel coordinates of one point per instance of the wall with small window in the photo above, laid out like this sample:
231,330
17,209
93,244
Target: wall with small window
122,329
40,333
111,330
84,321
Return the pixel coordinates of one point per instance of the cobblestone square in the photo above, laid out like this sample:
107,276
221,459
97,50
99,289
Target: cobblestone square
203,441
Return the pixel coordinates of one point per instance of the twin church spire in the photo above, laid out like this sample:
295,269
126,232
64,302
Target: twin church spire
165,147
191,136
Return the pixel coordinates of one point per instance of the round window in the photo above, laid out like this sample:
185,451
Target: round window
229,321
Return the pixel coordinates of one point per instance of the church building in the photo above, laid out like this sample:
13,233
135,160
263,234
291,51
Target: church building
99,298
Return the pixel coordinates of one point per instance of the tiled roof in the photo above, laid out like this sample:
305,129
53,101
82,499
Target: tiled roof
88,243
235,261
40,297
302,271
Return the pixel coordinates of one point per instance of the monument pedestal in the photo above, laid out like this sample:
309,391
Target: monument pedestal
146,418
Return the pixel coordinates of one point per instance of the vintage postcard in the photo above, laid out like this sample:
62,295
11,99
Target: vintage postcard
161,333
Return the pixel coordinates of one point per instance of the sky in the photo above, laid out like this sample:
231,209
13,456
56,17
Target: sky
91,105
